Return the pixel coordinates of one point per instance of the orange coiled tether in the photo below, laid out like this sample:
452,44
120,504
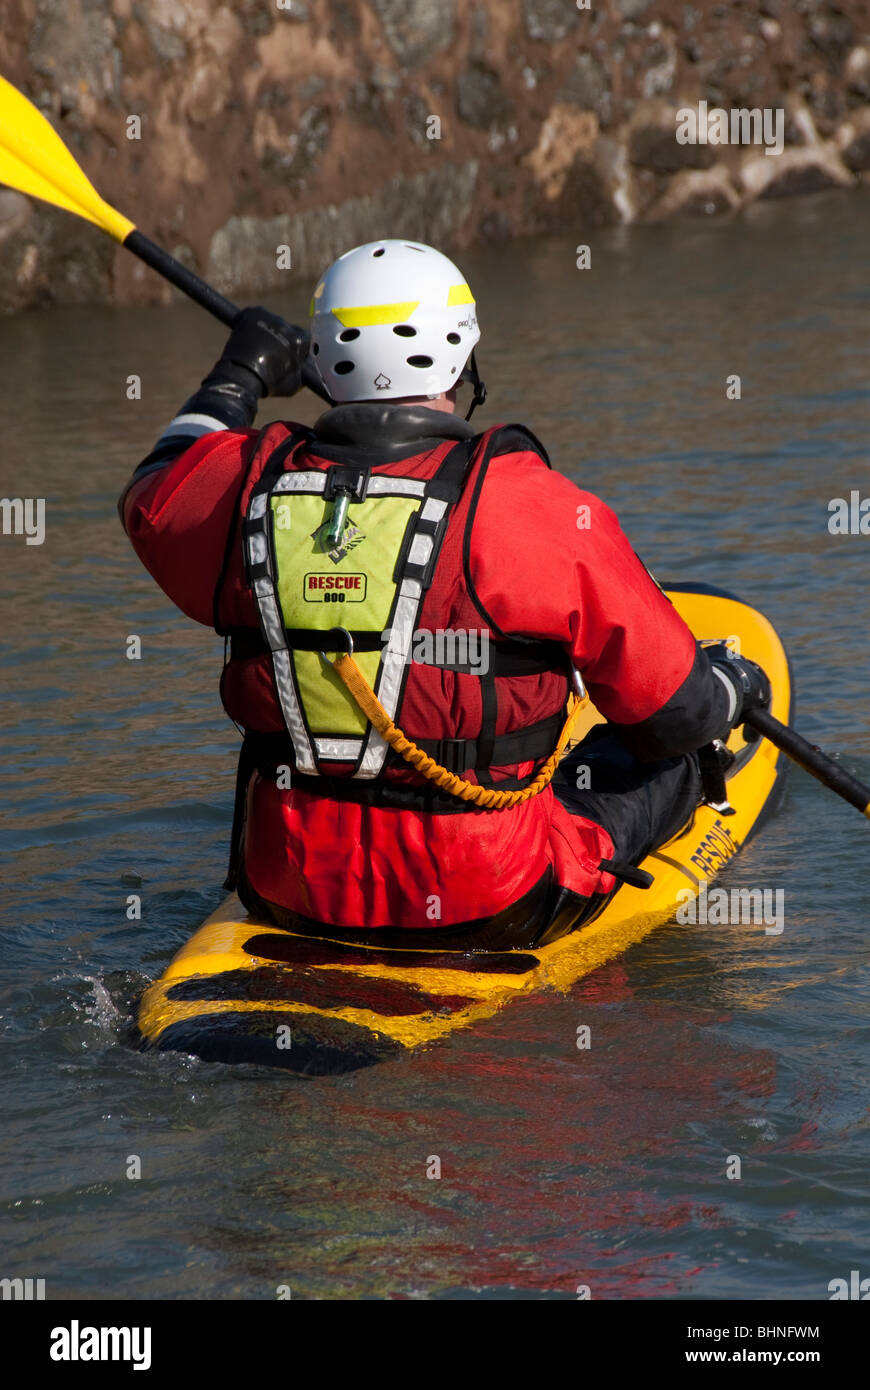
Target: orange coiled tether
488,797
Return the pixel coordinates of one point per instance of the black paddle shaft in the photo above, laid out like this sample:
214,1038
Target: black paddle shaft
812,759
204,294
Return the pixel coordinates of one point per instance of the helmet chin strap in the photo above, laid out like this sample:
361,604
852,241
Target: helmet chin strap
472,375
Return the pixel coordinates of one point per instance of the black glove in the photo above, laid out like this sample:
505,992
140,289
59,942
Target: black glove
271,348
263,357
750,684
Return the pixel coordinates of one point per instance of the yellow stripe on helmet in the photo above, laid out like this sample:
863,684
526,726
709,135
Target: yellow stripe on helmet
367,315
460,294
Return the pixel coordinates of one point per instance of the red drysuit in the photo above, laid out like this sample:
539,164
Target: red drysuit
539,558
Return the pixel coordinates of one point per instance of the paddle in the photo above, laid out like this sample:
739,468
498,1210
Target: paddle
812,759
34,160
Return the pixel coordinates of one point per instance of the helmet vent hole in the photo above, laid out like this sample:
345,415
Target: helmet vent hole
381,251
453,338
315,349
342,368
404,330
348,335
420,361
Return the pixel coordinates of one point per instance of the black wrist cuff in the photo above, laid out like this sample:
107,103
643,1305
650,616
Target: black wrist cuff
230,393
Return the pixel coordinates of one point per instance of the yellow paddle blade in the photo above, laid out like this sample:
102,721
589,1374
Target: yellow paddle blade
34,159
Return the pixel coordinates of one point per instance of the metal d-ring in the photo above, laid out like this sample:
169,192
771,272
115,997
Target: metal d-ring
348,651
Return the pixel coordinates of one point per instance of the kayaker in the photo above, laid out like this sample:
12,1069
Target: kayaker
471,582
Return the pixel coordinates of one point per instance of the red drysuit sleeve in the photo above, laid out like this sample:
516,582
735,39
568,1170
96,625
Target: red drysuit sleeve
548,560
178,517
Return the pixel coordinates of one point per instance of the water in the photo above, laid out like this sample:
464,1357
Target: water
559,1167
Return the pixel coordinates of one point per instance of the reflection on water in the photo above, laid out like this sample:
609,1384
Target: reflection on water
559,1168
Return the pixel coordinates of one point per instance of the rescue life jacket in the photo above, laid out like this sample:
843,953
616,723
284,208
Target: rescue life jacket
364,591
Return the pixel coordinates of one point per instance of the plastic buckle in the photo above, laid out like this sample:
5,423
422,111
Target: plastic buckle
452,754
352,481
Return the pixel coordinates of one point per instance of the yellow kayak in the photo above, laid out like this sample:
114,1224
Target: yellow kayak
244,991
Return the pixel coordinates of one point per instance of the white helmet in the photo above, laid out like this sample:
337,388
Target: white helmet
390,319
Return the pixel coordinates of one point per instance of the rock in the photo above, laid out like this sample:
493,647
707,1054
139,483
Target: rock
631,9
795,171
832,33
479,45
659,75
295,150
588,198
166,24
19,251
697,193
495,227
853,140
365,103
15,210
255,19
417,113
223,35
416,29
434,205
857,71
480,99
48,256
385,81
826,101
799,127
344,18
208,88
565,134
588,86
656,147
550,20
73,45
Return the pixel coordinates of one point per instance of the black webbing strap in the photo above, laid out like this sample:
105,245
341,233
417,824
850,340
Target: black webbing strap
503,750
445,486
272,470
486,738
512,658
627,873
247,766
456,754
246,642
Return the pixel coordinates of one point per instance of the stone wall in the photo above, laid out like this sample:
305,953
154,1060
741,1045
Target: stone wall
317,124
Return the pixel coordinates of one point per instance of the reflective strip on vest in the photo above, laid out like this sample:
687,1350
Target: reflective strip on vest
339,750
395,656
315,483
300,584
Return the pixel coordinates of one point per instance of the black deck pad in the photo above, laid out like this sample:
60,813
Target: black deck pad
318,1046
326,989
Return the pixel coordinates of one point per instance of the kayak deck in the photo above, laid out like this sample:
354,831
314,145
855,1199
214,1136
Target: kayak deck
244,991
